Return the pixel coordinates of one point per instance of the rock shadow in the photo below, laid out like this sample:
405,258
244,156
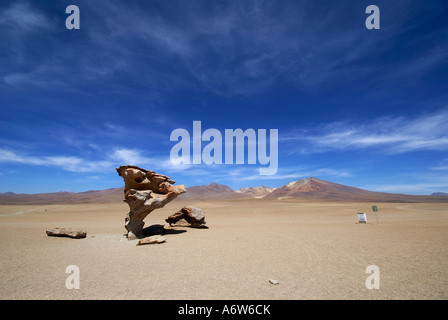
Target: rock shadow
158,229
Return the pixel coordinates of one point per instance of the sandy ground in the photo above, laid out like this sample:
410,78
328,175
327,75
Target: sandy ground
314,250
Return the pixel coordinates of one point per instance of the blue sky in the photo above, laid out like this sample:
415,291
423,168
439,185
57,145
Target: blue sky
367,108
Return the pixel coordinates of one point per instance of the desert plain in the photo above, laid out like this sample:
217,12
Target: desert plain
315,250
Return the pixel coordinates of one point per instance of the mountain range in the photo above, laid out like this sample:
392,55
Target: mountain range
309,189
443,194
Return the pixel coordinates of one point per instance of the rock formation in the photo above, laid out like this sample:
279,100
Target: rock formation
144,192
66,232
193,215
151,240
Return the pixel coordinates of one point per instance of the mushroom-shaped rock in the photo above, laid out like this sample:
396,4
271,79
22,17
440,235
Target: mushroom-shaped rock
144,192
193,215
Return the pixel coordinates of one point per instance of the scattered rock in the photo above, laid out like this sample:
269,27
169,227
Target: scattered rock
272,281
67,232
194,216
151,240
144,192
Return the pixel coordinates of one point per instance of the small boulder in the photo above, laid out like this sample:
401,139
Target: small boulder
193,215
151,240
66,232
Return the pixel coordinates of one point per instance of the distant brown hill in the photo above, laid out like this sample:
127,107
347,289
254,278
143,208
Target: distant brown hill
94,196
438,194
309,189
315,189
256,192
213,191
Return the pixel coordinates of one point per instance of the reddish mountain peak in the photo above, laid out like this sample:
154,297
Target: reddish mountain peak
220,187
212,187
307,185
215,185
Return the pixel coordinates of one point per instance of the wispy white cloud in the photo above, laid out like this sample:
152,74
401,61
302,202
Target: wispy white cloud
389,135
237,174
67,163
421,188
130,156
45,76
442,165
442,168
22,15
123,156
119,156
236,48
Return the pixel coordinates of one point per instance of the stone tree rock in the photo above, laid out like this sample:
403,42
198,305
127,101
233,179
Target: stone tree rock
193,215
145,191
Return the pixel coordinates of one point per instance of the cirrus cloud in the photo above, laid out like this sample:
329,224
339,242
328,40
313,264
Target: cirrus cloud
391,135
